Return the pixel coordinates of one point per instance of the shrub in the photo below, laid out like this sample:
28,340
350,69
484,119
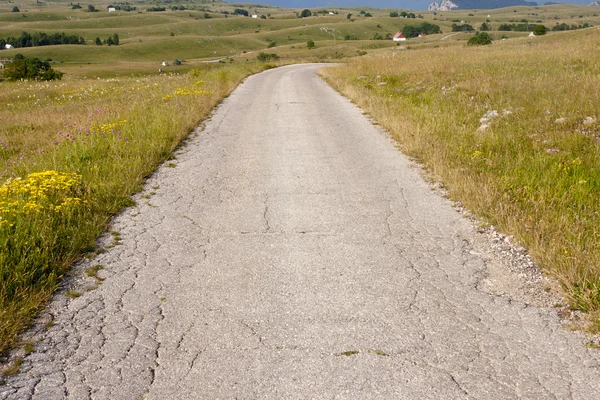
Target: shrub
265,57
394,14
480,39
539,30
16,9
305,13
272,44
310,44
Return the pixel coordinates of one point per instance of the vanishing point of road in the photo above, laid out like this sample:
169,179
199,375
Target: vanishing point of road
294,253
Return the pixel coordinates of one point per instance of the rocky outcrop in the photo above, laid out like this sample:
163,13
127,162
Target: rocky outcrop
444,5
447,5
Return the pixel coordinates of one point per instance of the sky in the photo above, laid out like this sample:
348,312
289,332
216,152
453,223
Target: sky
400,4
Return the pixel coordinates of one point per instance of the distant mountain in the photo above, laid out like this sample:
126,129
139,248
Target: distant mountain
397,4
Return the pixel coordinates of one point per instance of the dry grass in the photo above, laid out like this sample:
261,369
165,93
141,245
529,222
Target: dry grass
531,168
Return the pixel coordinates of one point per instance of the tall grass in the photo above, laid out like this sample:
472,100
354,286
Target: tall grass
71,155
512,130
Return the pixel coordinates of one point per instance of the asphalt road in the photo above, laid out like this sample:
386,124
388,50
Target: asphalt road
294,253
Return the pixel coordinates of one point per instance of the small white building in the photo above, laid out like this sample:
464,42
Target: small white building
331,13
254,16
399,37
165,64
8,46
111,9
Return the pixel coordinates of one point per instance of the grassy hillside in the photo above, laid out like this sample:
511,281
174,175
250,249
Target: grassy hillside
207,30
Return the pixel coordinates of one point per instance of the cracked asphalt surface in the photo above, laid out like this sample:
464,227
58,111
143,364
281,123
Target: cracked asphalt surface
293,252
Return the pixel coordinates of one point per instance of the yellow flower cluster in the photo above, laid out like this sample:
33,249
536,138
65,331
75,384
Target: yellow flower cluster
108,127
39,191
185,92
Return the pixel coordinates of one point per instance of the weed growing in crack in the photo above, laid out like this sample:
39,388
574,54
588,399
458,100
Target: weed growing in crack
349,353
29,347
73,294
13,368
92,272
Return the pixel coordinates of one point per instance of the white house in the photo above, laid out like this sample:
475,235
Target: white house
399,37
111,9
254,16
165,64
331,13
8,46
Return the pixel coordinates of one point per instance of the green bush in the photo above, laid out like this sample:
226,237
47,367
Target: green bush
480,39
539,30
265,57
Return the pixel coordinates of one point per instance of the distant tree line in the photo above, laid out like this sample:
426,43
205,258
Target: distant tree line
462,28
41,39
412,31
402,14
565,27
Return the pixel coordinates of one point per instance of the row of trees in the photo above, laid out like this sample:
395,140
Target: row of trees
41,39
403,14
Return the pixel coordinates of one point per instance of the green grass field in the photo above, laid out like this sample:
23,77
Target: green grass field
531,176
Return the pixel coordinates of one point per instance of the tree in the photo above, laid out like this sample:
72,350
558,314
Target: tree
394,14
16,9
305,13
539,30
115,39
480,39
176,62
31,69
76,6
98,41
240,11
310,44
349,16
91,8
484,27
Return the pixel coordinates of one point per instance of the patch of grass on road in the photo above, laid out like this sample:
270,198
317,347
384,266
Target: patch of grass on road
71,155
513,130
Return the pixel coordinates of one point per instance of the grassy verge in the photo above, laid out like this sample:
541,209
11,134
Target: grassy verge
71,155
512,130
